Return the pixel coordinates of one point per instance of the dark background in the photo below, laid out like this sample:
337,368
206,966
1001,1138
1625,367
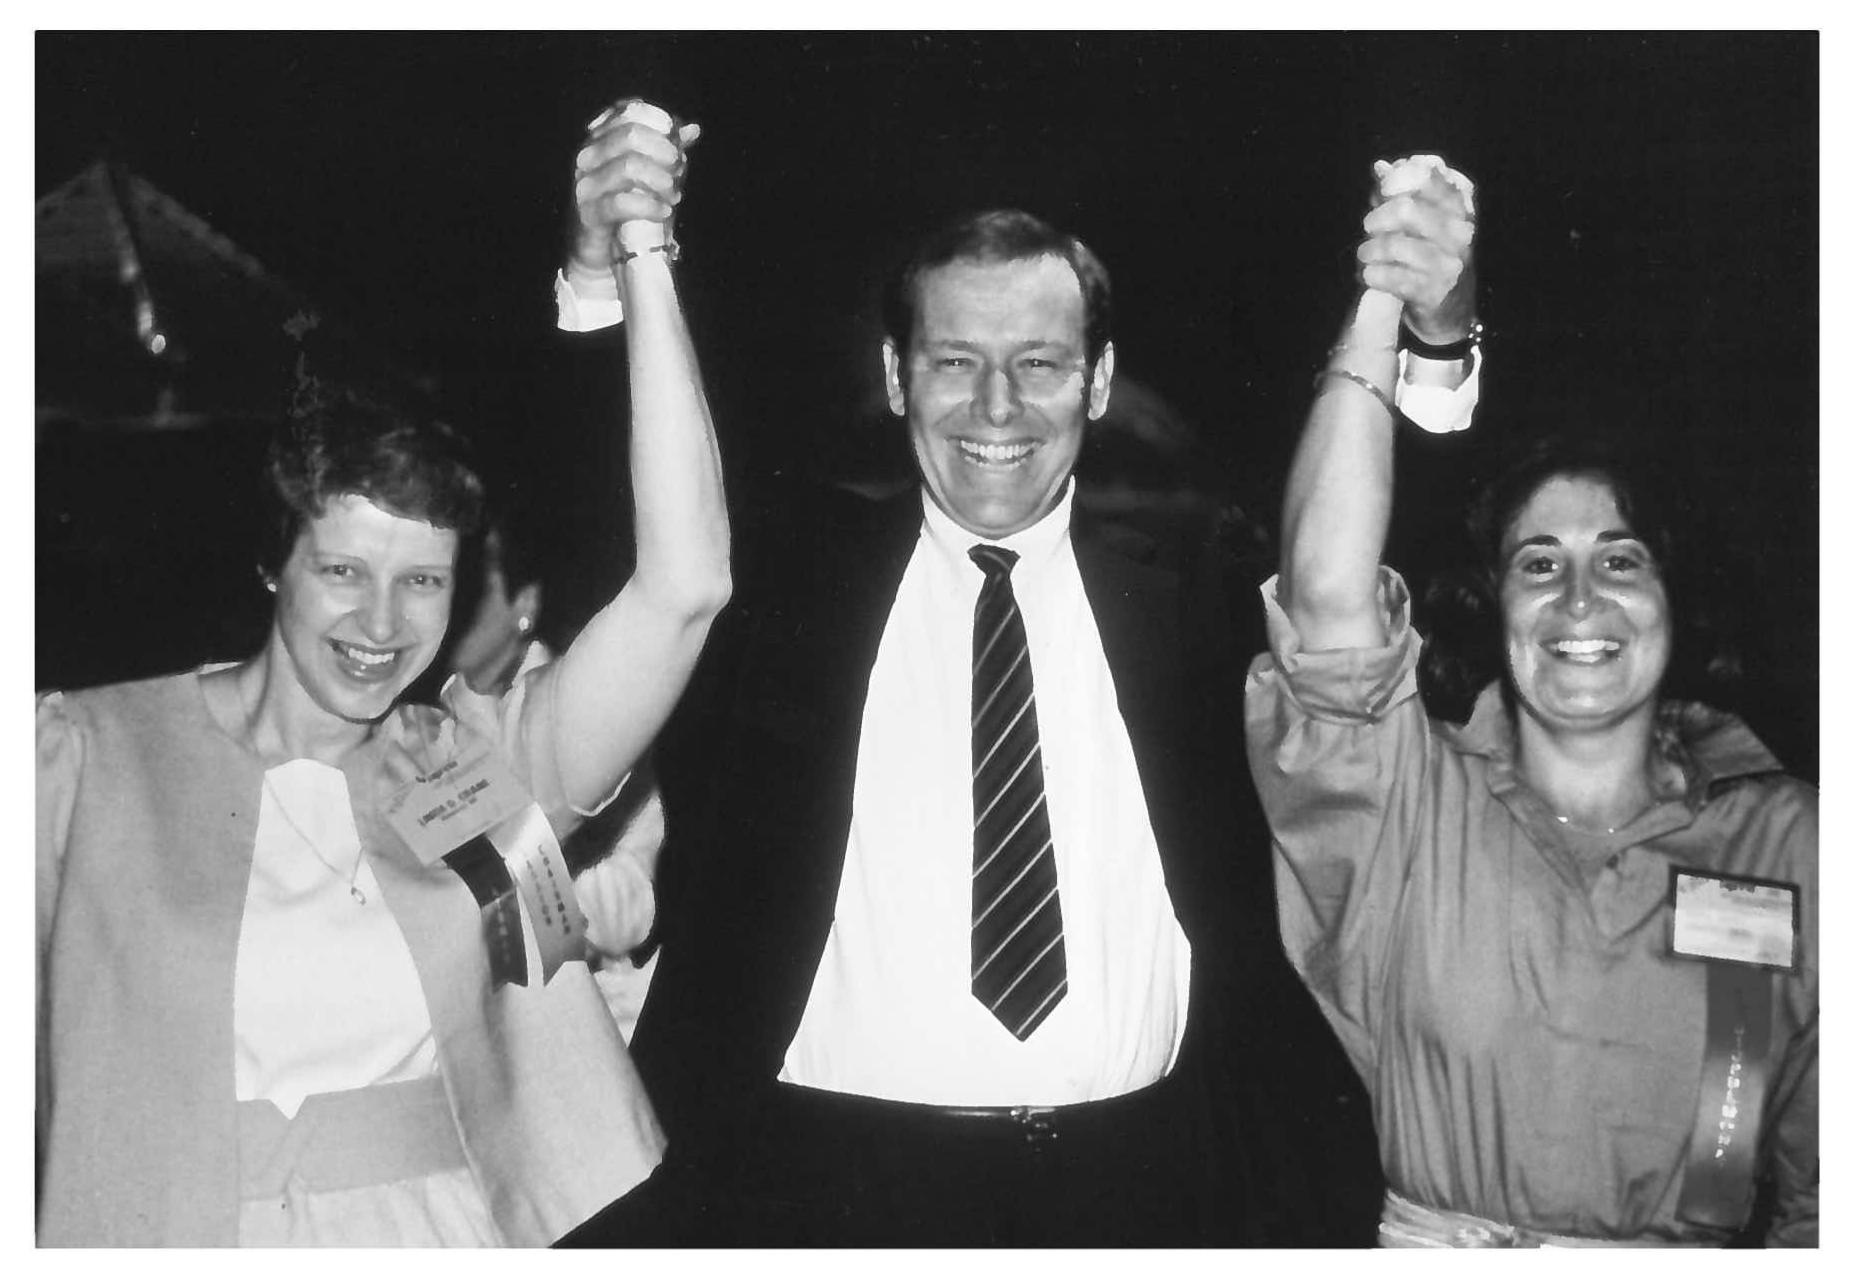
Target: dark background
1647,246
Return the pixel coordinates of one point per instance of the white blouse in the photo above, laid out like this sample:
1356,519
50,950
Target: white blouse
326,997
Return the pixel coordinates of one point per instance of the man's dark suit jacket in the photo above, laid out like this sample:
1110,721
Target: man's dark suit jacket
758,771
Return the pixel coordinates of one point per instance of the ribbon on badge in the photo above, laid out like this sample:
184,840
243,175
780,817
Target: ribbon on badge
1743,929
1716,1188
472,814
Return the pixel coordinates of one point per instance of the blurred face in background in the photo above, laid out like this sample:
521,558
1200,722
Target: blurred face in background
501,624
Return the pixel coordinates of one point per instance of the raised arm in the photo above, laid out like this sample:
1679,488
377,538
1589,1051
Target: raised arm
619,681
1416,262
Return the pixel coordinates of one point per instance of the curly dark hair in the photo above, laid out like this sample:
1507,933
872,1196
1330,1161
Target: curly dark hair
997,237
1460,611
341,440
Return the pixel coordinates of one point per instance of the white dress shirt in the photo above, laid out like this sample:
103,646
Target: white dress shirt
891,1012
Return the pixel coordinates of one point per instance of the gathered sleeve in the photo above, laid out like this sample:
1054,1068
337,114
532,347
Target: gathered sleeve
1340,749
617,893
60,767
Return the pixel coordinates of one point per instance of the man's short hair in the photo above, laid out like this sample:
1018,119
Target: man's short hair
996,237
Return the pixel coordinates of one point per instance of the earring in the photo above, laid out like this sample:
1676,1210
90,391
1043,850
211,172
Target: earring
524,624
270,584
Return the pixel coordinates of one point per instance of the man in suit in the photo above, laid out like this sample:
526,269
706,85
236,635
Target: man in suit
965,915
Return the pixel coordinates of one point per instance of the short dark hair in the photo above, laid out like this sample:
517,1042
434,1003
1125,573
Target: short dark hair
1461,612
1505,495
341,440
997,237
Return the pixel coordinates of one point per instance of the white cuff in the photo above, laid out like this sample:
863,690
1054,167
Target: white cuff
575,312
1436,408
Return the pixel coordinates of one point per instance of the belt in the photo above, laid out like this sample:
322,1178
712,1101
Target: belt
342,1139
1406,1224
1034,1125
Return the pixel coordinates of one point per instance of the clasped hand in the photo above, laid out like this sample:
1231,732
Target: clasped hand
1419,247
630,168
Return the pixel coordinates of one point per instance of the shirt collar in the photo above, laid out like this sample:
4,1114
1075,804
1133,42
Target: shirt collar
1714,745
1035,546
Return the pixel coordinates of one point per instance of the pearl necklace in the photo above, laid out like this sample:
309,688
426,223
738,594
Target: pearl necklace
353,877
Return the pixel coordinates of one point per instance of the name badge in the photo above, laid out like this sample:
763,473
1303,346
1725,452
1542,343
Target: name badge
474,815
1741,920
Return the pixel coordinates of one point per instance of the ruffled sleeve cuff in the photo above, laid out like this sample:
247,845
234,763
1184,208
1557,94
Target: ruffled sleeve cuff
60,767
1344,686
616,893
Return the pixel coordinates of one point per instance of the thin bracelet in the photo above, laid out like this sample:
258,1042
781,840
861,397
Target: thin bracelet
1342,373
670,250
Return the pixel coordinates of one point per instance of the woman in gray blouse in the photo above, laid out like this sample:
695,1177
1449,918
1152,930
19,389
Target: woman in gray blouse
1569,945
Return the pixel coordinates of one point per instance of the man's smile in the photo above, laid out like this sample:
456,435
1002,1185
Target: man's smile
999,454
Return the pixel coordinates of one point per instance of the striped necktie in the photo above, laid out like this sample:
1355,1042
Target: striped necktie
1019,967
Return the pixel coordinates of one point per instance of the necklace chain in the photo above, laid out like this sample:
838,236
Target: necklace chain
1565,820
1580,827
352,878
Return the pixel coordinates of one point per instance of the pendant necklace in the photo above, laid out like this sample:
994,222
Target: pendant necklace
352,878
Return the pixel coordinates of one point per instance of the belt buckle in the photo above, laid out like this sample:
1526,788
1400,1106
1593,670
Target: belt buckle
1036,1122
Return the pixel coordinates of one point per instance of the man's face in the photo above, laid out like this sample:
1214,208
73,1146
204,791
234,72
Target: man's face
996,388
